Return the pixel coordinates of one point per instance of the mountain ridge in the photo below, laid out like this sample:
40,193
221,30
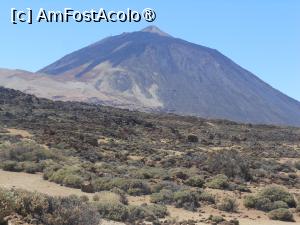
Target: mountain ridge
150,70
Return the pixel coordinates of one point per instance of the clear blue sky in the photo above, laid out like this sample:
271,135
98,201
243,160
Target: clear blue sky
262,36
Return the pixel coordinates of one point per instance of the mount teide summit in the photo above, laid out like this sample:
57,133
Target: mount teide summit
151,70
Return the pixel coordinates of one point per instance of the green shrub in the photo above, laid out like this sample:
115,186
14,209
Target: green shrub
250,201
281,214
11,166
216,219
195,181
70,176
26,151
280,204
135,213
263,204
101,184
73,181
159,211
131,186
277,193
47,210
231,162
49,167
270,198
218,182
228,204
168,185
187,199
147,212
207,197
112,211
31,167
149,173
163,197
7,204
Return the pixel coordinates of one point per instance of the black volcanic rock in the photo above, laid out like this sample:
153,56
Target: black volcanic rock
151,70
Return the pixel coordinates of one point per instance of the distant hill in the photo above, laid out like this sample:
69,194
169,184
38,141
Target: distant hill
150,70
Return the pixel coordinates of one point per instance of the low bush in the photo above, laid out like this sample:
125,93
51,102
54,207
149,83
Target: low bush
218,182
195,181
47,210
277,193
147,212
31,167
168,185
187,199
163,197
270,198
280,204
207,197
159,211
70,176
263,204
74,181
216,219
7,204
281,214
250,201
26,151
228,204
130,186
120,212
113,210
11,166
231,163
149,173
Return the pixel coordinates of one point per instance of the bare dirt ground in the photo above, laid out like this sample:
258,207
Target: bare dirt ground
35,182
22,133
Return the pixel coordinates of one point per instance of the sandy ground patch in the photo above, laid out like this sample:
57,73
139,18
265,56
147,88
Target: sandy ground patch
22,133
106,222
35,182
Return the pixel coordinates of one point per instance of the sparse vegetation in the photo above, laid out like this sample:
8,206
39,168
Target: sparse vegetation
187,199
47,210
115,153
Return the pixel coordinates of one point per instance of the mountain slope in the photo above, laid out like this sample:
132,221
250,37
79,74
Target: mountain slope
151,69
